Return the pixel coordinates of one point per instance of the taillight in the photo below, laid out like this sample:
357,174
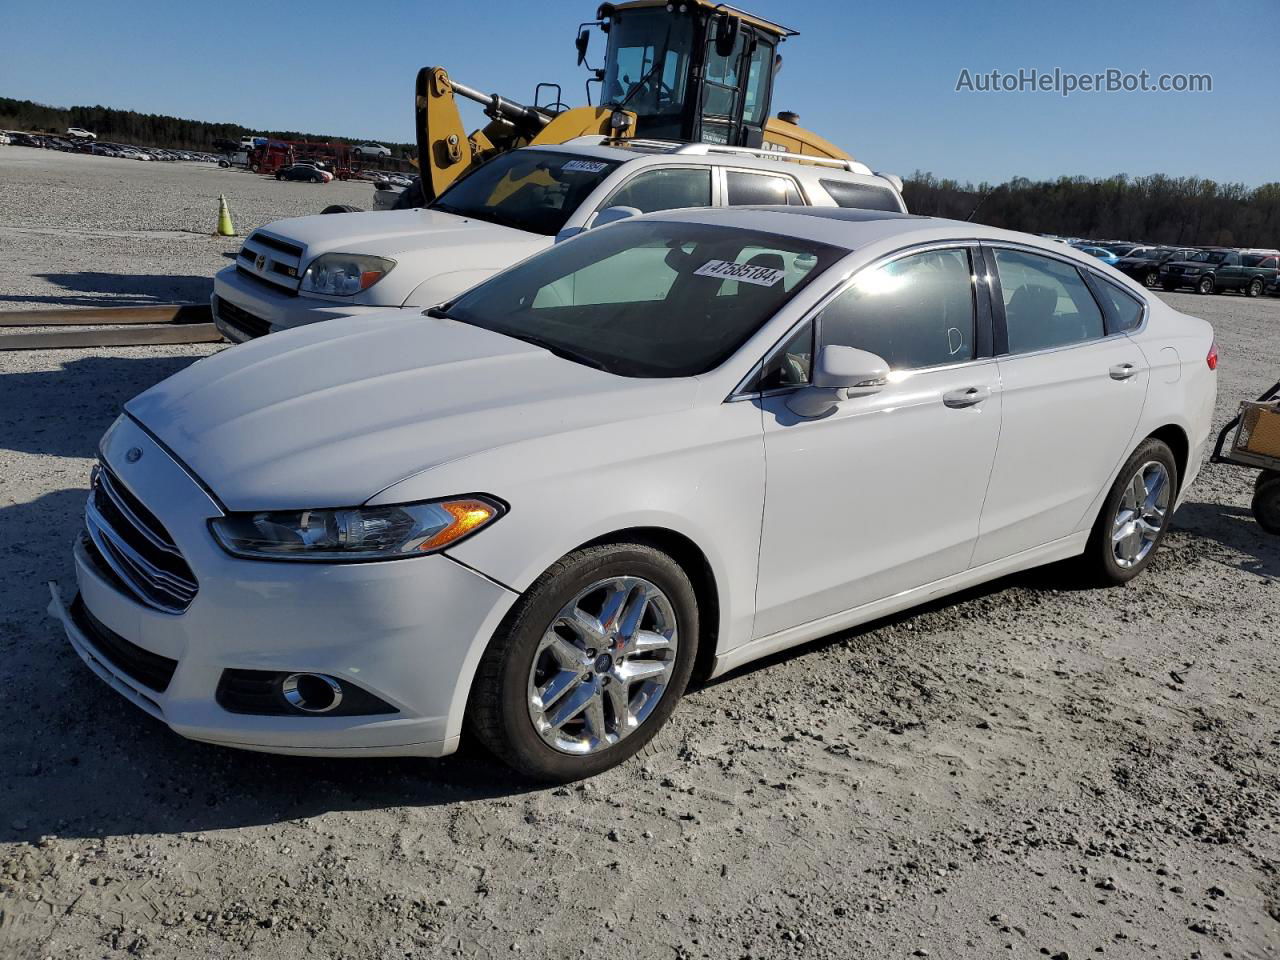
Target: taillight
1212,358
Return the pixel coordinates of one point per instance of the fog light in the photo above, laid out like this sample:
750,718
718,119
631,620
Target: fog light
311,692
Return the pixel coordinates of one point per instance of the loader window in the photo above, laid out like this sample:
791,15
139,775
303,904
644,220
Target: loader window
531,190
648,298
647,64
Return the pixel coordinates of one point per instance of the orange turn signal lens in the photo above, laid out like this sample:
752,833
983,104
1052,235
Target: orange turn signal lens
468,515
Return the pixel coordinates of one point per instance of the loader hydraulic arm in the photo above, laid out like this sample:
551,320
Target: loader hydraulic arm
446,151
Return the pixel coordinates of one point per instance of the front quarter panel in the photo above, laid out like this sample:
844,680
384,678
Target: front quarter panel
698,473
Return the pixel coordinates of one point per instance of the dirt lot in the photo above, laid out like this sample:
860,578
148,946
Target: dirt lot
1031,769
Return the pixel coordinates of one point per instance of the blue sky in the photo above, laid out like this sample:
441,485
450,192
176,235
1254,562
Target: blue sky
876,78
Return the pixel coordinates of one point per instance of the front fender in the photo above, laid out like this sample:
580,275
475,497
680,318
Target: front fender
446,286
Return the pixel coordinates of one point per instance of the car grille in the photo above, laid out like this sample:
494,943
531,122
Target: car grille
144,667
242,320
129,539
275,262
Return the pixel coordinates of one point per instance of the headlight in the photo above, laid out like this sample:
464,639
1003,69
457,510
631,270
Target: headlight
356,533
344,274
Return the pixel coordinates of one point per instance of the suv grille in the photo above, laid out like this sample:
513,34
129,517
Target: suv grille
144,667
136,546
272,261
244,321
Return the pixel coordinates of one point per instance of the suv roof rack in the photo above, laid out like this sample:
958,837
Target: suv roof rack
702,149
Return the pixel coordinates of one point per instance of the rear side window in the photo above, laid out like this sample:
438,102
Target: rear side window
864,196
917,311
753,189
664,189
1046,302
1123,310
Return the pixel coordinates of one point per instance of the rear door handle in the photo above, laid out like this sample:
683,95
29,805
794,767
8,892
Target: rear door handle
1123,371
966,397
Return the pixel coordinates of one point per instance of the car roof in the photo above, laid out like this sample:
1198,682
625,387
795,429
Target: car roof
665,152
853,228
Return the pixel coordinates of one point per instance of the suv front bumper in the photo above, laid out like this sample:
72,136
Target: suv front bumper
258,310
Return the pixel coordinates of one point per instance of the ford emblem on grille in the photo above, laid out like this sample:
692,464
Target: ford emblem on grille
261,262
133,455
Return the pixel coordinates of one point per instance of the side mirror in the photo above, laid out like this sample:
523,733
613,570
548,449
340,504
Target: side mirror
614,214
568,233
840,373
581,43
727,34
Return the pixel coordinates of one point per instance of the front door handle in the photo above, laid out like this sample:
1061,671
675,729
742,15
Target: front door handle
1123,371
966,397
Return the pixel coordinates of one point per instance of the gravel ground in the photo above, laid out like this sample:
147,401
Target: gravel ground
1030,769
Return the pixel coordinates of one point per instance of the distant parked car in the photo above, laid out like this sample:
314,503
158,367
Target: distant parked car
1144,265
304,172
1102,253
371,150
4,138
24,140
1211,271
81,132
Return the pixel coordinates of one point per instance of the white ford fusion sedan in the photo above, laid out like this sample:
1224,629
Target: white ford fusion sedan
657,451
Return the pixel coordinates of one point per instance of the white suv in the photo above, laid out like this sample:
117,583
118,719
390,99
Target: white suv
294,272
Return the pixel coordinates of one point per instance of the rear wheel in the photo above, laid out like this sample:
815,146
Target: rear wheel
1255,287
1266,501
1151,279
589,664
1135,515
1205,286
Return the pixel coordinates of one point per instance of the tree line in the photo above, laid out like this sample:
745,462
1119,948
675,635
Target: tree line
150,129
1177,211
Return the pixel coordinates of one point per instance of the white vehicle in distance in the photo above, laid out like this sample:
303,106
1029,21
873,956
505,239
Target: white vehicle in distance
82,133
694,439
371,150
300,271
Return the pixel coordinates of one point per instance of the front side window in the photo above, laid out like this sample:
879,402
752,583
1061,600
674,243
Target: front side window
861,195
648,299
667,188
1046,302
916,311
532,190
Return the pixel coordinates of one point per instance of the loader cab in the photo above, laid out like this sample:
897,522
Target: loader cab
690,70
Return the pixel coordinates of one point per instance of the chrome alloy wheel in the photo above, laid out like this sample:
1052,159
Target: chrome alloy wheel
1141,514
602,665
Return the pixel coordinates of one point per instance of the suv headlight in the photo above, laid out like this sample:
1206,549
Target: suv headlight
355,533
344,274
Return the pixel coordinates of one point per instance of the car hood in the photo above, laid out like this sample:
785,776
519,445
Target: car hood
389,233
330,414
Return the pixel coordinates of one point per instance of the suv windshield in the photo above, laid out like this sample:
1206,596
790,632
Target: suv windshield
649,298
1207,256
533,190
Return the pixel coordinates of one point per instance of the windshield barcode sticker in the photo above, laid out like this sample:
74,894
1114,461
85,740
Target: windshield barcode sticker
584,166
746,272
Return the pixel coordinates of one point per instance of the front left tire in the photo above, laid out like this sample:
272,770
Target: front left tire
589,664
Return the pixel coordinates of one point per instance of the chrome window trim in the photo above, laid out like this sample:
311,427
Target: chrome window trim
740,393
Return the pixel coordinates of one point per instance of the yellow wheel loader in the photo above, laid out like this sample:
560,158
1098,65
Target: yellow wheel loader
690,71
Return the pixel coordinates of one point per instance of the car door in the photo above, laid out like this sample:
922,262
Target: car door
1230,274
884,493
1072,394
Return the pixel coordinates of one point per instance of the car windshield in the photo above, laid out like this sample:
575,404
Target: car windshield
533,190
1150,254
1206,256
649,298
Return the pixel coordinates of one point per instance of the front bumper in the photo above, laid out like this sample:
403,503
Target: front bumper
271,311
410,632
